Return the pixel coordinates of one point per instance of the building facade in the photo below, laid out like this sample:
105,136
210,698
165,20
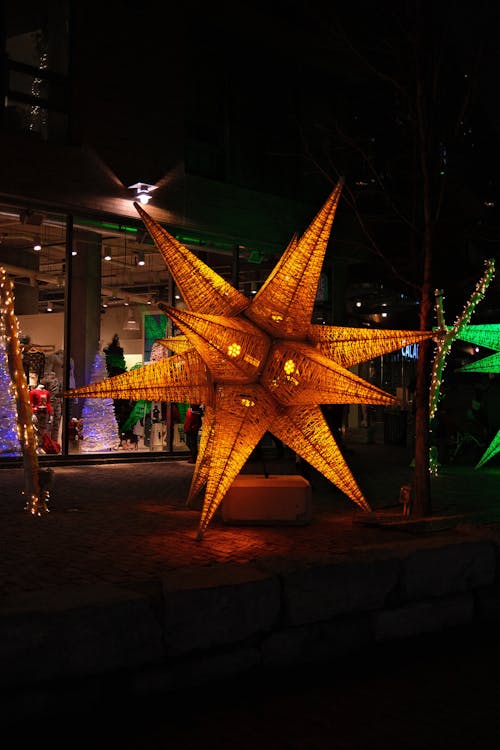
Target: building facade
96,101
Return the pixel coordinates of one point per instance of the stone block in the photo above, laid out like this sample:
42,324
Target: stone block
75,631
446,569
256,499
323,593
208,607
317,642
421,617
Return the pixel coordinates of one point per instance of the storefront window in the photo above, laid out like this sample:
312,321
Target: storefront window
86,307
117,276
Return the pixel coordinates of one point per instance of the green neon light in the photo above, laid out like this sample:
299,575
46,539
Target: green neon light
106,225
256,256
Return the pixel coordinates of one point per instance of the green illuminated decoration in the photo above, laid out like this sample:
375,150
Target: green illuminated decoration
491,450
487,336
485,364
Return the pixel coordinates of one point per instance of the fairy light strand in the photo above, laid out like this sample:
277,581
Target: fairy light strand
444,339
35,503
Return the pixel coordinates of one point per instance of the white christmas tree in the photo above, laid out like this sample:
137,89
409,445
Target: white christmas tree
100,428
9,431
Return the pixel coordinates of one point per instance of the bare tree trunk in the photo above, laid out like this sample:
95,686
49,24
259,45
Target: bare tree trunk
422,505
426,150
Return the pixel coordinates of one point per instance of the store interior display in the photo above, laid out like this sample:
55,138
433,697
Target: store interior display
99,422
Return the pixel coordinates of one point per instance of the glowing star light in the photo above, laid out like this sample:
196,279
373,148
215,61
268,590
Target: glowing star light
258,365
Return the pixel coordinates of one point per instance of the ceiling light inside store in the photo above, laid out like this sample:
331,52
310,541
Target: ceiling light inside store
139,259
37,245
107,253
49,306
131,324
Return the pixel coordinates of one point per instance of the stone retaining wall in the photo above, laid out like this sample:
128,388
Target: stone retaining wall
74,647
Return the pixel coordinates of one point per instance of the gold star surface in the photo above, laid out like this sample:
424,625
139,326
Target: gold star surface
258,365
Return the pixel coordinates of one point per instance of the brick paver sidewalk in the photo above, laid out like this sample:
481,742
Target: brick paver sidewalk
128,524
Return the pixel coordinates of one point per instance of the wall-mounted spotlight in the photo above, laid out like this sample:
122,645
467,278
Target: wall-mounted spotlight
50,307
142,192
139,259
37,245
107,253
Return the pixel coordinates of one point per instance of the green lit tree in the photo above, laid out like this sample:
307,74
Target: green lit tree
116,365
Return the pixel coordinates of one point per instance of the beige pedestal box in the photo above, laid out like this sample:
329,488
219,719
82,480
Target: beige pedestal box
280,499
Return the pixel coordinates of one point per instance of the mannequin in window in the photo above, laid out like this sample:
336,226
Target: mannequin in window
33,361
41,408
54,362
52,384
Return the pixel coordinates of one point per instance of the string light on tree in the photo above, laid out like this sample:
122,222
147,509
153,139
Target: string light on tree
446,336
36,499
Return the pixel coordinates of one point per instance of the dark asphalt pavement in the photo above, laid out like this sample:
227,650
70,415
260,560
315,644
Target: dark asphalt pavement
426,693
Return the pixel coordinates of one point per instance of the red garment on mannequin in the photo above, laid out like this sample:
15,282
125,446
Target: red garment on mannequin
40,401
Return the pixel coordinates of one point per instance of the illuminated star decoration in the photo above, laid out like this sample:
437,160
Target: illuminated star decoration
488,336
258,365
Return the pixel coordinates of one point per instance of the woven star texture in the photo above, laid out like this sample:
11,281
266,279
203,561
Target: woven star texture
258,365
